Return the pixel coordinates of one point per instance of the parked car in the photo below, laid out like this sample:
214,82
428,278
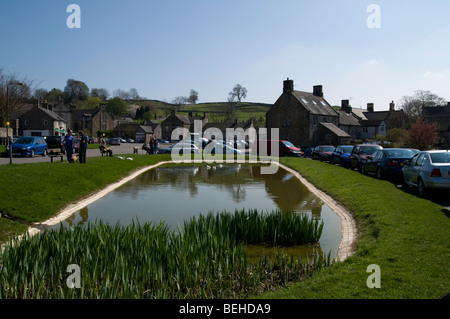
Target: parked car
285,148
428,170
180,148
122,140
226,149
55,144
114,141
341,155
93,140
322,152
29,146
359,154
129,140
387,163
160,141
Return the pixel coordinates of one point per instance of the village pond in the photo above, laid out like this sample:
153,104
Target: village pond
174,194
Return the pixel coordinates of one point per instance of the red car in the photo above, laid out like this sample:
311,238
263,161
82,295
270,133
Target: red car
360,153
323,153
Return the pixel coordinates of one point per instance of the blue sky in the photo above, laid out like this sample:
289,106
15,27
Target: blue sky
166,48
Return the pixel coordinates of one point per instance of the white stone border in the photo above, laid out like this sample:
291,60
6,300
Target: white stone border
348,225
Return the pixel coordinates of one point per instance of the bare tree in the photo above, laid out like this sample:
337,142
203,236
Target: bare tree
193,97
179,101
103,94
412,105
12,92
238,92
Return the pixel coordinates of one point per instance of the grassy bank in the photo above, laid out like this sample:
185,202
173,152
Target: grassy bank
406,236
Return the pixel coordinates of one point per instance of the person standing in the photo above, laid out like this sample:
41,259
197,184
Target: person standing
83,146
68,145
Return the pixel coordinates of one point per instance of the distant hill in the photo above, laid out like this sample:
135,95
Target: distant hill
243,111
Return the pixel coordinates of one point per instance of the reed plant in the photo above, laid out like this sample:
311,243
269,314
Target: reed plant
206,258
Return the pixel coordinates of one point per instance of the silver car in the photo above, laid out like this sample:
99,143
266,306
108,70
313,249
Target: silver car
428,169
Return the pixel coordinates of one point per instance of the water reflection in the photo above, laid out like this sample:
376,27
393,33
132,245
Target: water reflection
176,193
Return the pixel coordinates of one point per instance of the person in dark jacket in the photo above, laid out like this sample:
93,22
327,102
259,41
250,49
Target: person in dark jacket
84,141
68,145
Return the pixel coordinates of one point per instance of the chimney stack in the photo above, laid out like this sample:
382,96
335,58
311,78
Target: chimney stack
288,86
370,107
345,106
317,91
392,106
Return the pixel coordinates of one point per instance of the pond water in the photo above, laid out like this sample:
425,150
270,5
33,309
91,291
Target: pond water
176,193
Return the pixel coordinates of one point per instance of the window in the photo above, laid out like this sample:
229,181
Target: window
304,101
26,123
45,123
421,159
323,103
283,122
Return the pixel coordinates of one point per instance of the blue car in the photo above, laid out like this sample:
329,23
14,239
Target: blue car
29,146
387,163
341,155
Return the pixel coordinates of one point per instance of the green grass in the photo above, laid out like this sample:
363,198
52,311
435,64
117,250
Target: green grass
408,237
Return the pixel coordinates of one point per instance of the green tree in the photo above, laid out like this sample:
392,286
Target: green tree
92,102
117,106
75,91
55,95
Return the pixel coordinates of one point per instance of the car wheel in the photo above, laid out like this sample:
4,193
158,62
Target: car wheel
421,188
379,175
363,169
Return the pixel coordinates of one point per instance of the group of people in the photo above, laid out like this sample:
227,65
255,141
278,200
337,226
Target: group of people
68,145
152,147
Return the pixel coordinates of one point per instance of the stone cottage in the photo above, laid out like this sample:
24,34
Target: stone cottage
305,118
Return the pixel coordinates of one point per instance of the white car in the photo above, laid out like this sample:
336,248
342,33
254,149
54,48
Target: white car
428,170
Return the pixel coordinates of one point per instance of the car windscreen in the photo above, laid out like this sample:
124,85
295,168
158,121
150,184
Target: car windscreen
25,140
326,149
440,158
288,144
399,153
346,149
368,150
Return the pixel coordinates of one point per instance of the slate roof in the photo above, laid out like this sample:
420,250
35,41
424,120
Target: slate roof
348,119
314,104
335,130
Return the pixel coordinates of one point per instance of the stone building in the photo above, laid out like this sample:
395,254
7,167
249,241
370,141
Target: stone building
298,116
174,121
440,115
375,123
41,121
